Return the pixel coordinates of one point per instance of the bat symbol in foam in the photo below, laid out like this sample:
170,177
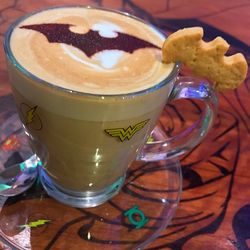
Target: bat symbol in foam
91,42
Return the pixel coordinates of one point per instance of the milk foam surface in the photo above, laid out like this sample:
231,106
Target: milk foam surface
105,72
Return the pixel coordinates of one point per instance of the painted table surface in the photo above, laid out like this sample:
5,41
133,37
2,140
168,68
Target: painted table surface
214,211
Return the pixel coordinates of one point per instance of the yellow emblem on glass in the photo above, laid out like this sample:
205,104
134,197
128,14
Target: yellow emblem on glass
126,133
34,224
30,116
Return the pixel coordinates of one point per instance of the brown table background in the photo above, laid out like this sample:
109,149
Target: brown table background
214,212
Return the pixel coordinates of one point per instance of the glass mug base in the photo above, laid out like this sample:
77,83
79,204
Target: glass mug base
79,199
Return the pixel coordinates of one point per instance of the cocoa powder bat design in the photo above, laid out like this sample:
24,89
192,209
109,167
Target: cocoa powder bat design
91,42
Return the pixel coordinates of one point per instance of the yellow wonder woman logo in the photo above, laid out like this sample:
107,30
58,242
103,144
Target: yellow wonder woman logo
128,133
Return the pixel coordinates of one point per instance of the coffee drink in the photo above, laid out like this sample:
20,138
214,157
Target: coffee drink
91,51
90,86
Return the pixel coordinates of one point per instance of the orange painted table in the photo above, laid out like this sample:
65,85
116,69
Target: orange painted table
214,211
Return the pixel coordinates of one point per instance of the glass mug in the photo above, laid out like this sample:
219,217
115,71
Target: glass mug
86,142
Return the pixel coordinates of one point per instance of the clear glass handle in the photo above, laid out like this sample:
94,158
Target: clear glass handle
161,148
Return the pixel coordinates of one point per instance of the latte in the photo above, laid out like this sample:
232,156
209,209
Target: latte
89,86
91,51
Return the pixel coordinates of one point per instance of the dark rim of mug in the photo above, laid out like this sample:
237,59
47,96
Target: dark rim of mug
14,62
